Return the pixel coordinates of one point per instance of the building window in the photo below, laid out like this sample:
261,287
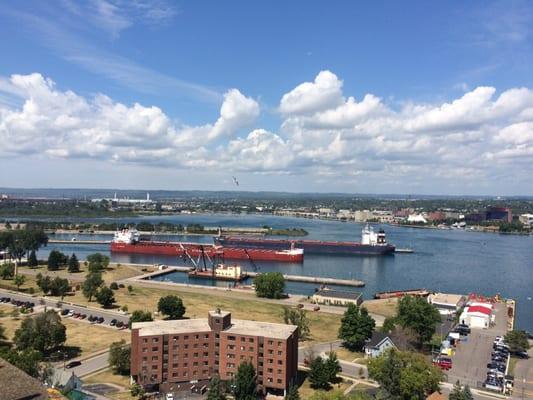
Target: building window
279,380
145,350
155,348
243,339
231,337
155,340
243,348
175,365
270,342
280,371
145,340
251,349
251,340
206,354
206,363
280,362
154,358
206,336
217,321
279,353
154,366
270,370
174,374
195,364
196,337
186,337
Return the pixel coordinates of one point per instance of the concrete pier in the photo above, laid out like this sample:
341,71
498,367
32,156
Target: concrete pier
317,279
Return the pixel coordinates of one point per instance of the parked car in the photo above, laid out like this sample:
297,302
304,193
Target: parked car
100,320
520,354
64,311
113,322
70,313
316,308
83,316
169,396
119,324
443,363
463,329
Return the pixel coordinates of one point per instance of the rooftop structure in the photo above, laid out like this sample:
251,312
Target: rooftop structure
337,297
17,385
447,303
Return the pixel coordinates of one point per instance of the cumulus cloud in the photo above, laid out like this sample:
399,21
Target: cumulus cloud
308,97
323,134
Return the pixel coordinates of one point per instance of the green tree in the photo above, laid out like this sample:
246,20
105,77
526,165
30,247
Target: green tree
43,332
388,325
97,262
26,360
59,287
216,390
416,313
332,366
356,327
292,393
43,282
105,297
245,386
119,357
270,285
56,259
172,306
318,374
7,271
140,316
404,375
92,283
457,392
73,264
32,259
19,280
467,393
137,390
297,317
517,341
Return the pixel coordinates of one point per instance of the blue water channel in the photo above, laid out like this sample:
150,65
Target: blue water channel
444,260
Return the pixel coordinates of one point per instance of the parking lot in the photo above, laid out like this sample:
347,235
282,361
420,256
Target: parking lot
474,352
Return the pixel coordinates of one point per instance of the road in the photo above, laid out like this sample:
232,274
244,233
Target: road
108,315
88,366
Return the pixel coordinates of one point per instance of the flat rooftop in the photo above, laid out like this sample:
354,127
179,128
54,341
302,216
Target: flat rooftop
445,298
171,327
338,294
237,327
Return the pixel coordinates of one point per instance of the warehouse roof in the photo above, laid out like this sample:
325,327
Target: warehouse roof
444,298
338,294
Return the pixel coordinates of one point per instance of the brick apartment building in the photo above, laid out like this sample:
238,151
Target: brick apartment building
171,354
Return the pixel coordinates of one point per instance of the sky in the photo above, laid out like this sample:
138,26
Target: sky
410,97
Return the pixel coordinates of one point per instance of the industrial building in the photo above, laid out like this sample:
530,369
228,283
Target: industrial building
447,304
170,355
333,297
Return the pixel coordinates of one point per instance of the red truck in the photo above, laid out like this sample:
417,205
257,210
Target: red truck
443,362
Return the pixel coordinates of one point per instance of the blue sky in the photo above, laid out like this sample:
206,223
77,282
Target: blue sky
376,97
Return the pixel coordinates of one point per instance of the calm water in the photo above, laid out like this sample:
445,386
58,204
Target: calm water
447,261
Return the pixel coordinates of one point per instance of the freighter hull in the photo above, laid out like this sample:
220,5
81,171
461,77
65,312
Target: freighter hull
309,246
195,250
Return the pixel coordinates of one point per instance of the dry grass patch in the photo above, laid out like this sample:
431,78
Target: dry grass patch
347,355
385,307
324,327
10,325
91,338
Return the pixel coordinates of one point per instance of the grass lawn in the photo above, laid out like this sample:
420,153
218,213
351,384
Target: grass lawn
80,335
113,273
324,327
107,376
512,365
306,391
30,282
385,307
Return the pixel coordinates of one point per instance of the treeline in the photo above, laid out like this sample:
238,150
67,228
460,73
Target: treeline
286,231
63,208
20,242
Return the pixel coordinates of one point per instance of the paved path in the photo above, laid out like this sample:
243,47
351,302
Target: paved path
87,367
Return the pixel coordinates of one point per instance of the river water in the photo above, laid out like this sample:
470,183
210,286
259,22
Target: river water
444,260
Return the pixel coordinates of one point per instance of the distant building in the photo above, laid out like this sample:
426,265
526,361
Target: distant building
417,219
167,355
436,216
499,214
17,385
475,217
447,304
377,344
526,219
334,297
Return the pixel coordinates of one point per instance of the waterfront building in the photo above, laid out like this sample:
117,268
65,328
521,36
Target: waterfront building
417,219
169,355
447,304
499,214
332,297
526,219
477,315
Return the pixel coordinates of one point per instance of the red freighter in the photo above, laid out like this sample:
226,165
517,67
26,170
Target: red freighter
129,241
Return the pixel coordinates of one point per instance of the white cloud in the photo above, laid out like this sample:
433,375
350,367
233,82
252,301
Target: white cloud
308,97
482,133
